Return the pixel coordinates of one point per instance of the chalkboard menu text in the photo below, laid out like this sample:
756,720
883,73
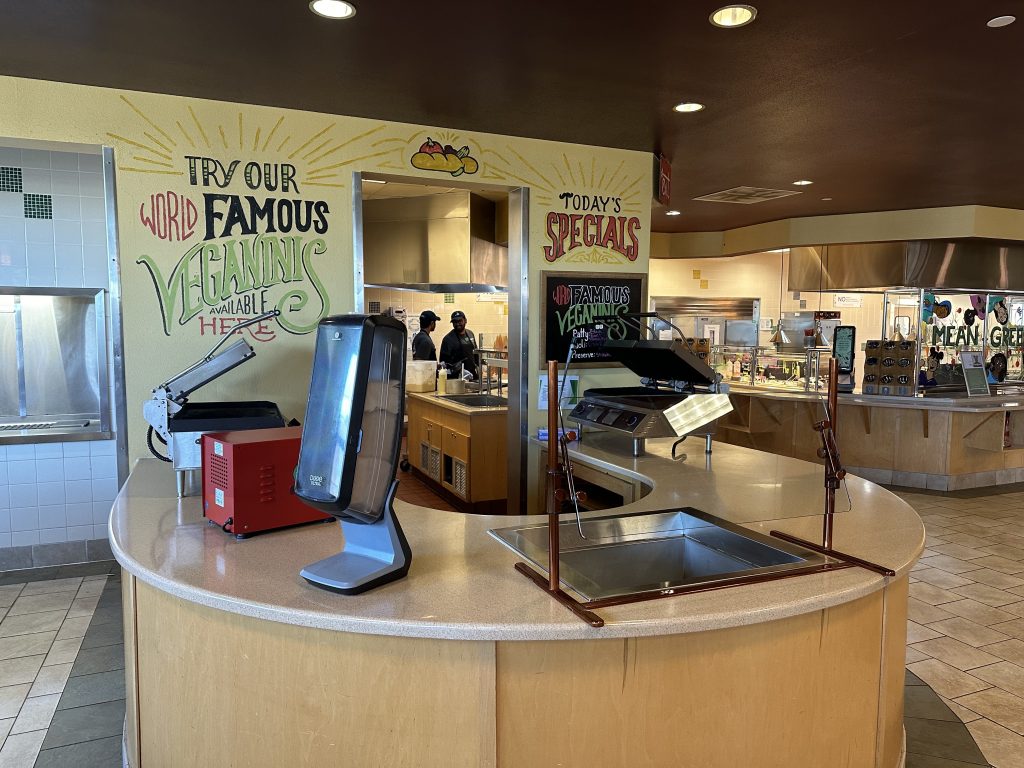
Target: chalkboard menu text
574,303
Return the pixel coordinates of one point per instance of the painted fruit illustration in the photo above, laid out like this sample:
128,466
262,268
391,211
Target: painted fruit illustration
434,156
431,147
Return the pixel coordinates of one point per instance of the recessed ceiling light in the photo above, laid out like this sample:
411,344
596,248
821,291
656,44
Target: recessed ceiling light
826,199
1001,21
333,9
802,183
671,213
688,106
733,16
375,181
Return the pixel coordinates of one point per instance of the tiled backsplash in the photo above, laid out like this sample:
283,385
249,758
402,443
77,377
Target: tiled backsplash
53,228
489,317
52,492
53,233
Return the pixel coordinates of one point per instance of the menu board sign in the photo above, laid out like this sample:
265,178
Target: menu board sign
574,304
974,373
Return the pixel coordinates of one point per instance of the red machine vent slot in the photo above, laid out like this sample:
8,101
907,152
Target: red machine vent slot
268,482
219,471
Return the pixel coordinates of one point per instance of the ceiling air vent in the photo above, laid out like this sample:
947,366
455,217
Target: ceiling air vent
747,195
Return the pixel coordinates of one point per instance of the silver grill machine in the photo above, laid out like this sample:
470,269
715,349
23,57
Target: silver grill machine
179,423
680,394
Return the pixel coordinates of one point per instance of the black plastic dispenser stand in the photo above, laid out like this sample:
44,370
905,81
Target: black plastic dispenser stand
350,449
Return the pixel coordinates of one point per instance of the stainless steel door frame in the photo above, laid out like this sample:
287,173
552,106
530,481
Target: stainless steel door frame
518,349
115,346
358,266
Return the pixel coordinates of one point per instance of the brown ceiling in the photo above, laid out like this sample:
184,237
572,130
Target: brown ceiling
883,104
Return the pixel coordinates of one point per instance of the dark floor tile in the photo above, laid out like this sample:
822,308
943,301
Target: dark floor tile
911,679
940,738
108,614
28,574
12,558
57,571
922,701
92,689
88,569
98,549
928,761
109,601
106,658
104,634
97,721
58,553
100,753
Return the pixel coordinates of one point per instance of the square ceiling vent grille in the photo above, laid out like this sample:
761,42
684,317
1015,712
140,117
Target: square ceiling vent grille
747,195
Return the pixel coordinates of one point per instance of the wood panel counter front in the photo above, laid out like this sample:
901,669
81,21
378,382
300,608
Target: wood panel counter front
941,443
233,660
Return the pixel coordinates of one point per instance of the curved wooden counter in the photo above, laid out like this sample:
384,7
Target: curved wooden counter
234,660
941,443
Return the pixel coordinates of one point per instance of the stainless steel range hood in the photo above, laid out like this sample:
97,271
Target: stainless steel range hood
951,264
438,243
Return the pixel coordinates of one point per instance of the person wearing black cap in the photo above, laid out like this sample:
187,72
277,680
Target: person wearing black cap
422,346
458,345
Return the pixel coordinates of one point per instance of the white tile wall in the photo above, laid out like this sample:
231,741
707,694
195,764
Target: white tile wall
58,494
53,492
484,317
68,251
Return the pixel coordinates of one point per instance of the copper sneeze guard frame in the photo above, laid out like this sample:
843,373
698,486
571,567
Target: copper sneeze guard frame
556,494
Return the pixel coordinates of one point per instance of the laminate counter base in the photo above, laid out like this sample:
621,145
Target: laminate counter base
234,660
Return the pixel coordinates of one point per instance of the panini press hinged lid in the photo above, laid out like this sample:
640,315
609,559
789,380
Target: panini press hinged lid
662,360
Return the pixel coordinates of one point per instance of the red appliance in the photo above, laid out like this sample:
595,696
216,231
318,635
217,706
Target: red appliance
248,477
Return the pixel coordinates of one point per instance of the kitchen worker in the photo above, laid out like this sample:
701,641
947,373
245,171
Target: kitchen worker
458,346
422,345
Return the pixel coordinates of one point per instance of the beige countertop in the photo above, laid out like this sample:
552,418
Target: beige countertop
462,584
964,404
452,405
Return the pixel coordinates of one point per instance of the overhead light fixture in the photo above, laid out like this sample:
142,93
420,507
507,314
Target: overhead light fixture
375,181
671,213
826,199
731,16
688,106
779,337
333,9
1001,21
802,183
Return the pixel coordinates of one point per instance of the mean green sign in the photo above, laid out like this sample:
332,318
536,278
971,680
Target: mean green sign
970,336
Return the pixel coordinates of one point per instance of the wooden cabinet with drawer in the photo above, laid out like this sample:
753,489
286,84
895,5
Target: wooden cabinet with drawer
455,463
463,451
431,436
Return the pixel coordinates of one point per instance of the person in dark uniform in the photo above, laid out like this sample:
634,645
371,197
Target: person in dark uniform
458,345
422,346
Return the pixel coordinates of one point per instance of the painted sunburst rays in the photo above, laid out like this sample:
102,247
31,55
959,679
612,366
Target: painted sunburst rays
565,174
322,155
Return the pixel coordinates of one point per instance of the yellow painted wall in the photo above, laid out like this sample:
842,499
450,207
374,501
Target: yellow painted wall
153,135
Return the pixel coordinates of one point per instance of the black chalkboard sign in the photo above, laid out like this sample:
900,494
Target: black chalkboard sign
570,303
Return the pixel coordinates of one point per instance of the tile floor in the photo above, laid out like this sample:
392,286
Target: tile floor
965,636
62,668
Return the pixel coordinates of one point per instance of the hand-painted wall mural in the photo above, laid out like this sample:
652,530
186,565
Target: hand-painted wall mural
434,156
227,210
593,213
